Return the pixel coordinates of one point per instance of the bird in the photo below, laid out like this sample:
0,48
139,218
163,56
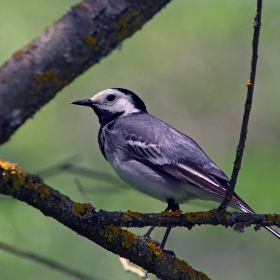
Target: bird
155,158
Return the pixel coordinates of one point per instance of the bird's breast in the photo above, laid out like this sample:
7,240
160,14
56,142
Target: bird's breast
148,180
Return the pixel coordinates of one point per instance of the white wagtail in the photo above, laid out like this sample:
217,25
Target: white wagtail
155,158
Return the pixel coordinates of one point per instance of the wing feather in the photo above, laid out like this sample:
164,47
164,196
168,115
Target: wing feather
184,171
156,144
175,153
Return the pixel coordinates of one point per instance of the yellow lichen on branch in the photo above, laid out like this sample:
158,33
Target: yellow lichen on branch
81,7
12,174
155,250
43,79
195,216
176,213
187,269
122,26
18,54
16,179
82,209
111,232
92,41
128,239
129,214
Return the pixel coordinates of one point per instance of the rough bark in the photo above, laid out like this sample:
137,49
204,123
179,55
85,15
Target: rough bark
80,39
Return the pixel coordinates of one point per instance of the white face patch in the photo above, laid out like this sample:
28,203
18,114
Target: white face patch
122,103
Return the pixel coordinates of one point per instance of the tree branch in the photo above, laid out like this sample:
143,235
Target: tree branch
104,228
247,110
86,34
80,218
238,221
135,219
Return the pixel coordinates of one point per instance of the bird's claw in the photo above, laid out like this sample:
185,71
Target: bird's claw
170,253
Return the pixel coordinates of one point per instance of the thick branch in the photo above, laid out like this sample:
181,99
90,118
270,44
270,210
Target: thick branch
80,218
104,228
86,34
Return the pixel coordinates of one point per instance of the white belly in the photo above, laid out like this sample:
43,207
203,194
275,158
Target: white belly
156,183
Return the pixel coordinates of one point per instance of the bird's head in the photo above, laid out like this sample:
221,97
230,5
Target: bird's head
112,103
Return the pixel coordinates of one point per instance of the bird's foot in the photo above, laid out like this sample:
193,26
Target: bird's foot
170,253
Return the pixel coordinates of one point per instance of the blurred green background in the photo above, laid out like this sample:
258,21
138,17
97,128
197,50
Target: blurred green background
190,65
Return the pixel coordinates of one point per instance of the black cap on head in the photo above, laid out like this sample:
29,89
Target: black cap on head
138,102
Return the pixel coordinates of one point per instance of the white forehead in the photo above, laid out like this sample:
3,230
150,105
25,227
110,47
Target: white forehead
123,101
101,96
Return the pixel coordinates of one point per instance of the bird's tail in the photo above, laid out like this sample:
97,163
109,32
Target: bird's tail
274,231
247,209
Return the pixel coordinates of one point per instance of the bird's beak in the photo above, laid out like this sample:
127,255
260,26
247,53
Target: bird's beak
83,102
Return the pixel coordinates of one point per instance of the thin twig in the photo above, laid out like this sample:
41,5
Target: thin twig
56,168
45,261
97,175
82,191
248,106
70,165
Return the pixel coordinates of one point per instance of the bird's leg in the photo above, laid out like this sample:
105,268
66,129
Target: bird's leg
165,237
173,208
171,205
148,233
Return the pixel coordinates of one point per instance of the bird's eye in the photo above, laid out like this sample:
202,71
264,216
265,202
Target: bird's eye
111,97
